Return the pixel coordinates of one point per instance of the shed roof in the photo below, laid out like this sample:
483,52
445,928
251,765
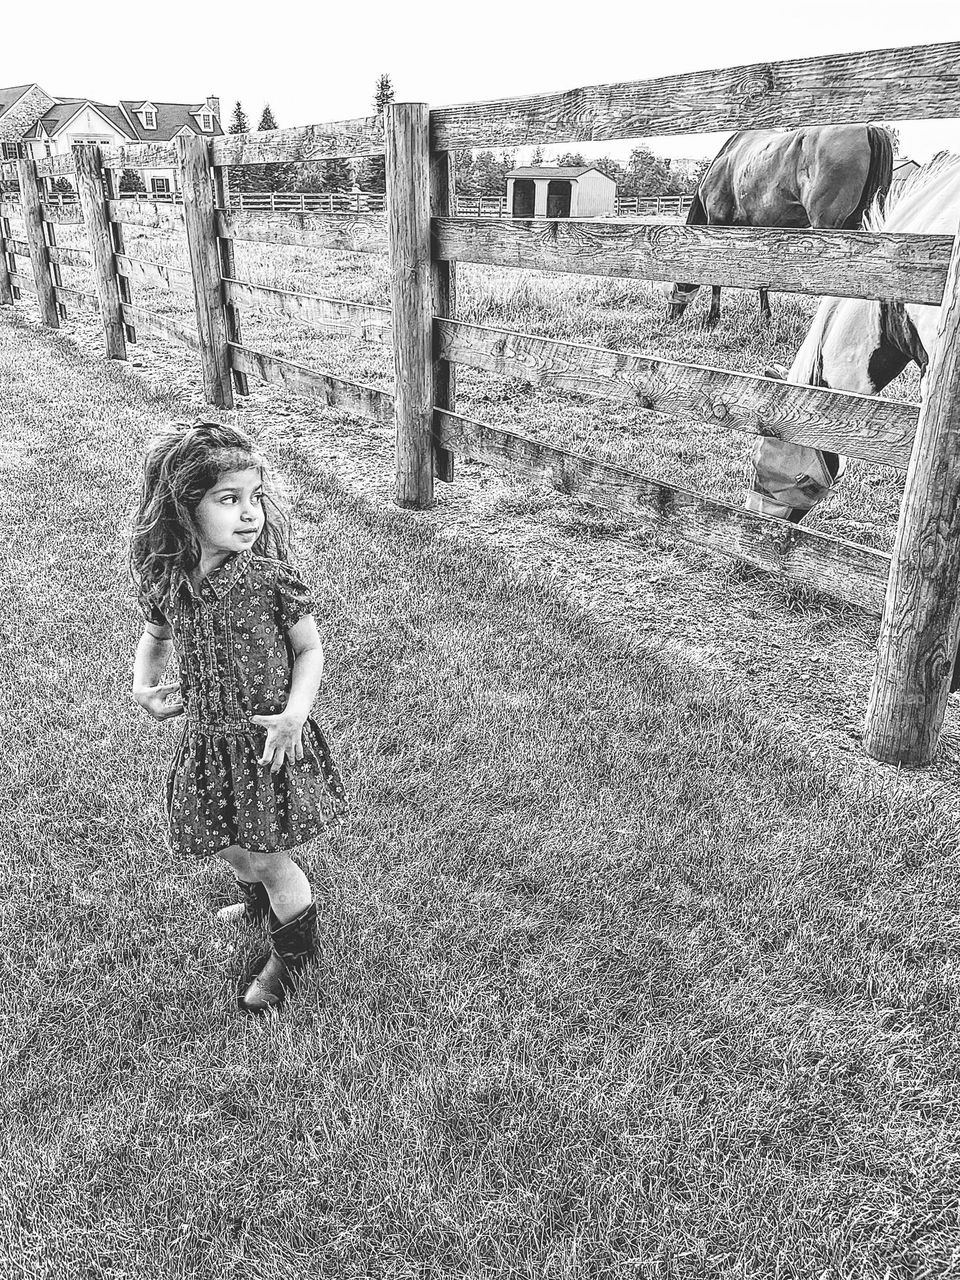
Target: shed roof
554,171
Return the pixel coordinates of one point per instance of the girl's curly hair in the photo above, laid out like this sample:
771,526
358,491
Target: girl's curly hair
182,463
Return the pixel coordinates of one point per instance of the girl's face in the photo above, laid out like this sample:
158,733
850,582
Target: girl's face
230,514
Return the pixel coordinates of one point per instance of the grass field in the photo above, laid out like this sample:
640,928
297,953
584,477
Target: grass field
614,983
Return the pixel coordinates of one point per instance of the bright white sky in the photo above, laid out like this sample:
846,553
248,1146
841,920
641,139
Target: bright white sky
315,62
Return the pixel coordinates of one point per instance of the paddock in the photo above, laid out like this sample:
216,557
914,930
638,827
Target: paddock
425,241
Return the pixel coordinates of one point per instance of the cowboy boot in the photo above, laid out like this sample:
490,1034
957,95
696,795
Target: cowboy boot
293,946
254,904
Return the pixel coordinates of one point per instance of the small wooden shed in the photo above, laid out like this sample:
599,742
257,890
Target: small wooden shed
549,191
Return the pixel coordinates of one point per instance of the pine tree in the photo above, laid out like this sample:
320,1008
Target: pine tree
238,121
382,95
266,120
372,173
268,177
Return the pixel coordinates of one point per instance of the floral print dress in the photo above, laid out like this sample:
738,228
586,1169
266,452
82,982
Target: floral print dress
235,661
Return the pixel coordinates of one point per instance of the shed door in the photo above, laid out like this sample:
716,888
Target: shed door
558,199
524,194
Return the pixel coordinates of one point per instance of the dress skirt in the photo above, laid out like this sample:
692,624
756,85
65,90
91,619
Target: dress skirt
217,795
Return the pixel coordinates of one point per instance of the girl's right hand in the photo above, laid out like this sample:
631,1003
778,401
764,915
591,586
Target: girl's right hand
162,701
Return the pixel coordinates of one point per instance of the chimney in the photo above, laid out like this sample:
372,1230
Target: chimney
214,105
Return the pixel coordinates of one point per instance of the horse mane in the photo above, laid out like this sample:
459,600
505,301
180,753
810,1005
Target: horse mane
880,212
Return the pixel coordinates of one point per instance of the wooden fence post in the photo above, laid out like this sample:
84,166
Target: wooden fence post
31,206
921,617
231,313
407,137
93,203
443,277
7,295
197,185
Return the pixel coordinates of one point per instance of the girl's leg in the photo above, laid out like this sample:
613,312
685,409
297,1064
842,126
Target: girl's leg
284,881
239,859
254,902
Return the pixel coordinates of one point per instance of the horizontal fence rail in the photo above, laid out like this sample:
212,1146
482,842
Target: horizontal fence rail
843,569
332,314
918,82
359,233
853,264
854,425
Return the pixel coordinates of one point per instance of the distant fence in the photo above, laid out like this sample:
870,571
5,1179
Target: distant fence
374,202
426,237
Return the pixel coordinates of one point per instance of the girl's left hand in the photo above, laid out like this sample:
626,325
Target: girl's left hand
284,740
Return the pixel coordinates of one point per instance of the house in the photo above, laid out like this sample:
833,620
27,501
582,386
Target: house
49,126
550,191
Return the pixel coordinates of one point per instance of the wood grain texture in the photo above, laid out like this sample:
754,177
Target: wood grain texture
853,264
231,312
31,211
60,166
62,215
408,220
196,183
55,274
369,402
92,196
373,324
144,321
844,570
921,617
7,264
342,139
856,426
145,213
443,283
918,82
358,232
23,282
77,300
154,275
68,256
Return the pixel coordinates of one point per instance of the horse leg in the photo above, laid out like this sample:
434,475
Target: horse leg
714,313
765,305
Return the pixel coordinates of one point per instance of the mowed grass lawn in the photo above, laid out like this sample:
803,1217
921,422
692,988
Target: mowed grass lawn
614,982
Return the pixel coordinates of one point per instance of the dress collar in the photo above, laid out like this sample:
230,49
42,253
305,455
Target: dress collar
219,581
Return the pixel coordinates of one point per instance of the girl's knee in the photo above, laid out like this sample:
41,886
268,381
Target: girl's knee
236,856
265,864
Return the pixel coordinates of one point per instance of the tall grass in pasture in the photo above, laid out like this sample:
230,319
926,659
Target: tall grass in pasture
614,982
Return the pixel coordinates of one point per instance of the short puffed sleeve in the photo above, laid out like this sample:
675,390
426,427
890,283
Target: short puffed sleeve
294,597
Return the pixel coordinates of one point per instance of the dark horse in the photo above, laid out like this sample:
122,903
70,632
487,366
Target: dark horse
827,176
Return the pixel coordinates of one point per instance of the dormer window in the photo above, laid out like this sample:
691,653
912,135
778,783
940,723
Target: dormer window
149,119
206,121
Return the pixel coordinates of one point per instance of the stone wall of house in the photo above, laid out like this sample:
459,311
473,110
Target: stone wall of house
24,113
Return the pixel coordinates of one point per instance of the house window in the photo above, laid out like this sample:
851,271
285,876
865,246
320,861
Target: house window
10,151
160,186
149,119
206,122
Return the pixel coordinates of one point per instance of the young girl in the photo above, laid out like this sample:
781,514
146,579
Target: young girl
252,776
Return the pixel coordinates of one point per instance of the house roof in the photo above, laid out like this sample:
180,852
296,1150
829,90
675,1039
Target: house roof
553,171
172,117
67,109
904,163
9,96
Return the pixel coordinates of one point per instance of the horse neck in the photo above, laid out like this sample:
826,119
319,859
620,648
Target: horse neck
844,348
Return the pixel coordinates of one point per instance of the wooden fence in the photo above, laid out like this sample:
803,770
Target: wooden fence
915,590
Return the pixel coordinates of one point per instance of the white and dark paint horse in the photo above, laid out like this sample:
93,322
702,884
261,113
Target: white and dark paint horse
824,177
859,345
